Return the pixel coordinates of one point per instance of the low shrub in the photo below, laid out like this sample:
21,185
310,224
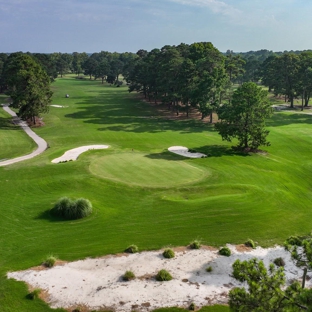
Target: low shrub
192,306
34,294
128,276
279,262
50,261
294,241
250,243
72,209
132,249
163,275
168,253
225,251
195,244
209,269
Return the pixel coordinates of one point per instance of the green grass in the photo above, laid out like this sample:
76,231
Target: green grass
141,169
13,140
148,197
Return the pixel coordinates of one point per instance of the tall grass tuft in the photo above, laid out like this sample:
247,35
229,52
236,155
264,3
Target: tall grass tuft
72,209
163,276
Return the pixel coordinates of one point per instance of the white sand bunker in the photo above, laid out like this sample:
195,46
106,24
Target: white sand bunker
75,152
59,106
184,151
97,283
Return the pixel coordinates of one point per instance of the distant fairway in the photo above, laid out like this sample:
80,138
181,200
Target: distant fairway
142,170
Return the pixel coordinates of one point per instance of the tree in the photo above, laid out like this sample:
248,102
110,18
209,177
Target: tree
265,290
300,248
244,117
28,86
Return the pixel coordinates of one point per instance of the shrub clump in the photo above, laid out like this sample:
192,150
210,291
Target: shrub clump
279,262
128,276
168,253
192,306
209,269
225,251
250,243
132,249
50,261
34,294
195,244
72,209
163,275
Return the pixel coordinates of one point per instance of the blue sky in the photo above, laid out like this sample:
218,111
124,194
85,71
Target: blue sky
130,25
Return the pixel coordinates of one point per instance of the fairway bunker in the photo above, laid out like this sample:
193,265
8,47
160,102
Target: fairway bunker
58,106
97,283
75,152
184,151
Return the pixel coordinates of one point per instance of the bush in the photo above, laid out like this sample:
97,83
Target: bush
209,269
168,253
294,241
250,243
132,249
34,294
163,275
279,262
128,276
192,306
50,261
195,244
225,251
71,210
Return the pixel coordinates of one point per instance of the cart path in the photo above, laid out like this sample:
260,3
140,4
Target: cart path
42,144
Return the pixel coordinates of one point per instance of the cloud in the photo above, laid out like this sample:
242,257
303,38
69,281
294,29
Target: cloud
216,6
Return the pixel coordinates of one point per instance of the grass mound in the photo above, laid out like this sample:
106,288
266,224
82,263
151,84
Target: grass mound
163,276
128,276
168,253
50,261
225,251
72,209
132,249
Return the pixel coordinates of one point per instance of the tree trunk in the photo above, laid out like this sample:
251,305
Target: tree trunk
210,115
305,270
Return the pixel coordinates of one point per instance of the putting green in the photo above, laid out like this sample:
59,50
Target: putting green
139,169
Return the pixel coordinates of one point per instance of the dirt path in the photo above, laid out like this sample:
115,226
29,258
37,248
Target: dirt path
42,144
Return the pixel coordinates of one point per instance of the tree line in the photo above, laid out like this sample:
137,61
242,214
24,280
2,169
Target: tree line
26,77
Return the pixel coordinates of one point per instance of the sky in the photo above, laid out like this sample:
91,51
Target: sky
47,26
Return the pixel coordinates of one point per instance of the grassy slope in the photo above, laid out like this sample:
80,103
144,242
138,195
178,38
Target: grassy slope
264,197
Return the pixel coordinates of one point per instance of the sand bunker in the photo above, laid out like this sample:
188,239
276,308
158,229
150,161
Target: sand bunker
59,106
97,283
75,152
184,151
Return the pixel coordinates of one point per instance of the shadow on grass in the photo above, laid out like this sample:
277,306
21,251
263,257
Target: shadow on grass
5,124
210,151
117,111
46,215
284,119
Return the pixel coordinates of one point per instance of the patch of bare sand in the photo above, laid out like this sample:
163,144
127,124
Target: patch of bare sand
97,283
75,152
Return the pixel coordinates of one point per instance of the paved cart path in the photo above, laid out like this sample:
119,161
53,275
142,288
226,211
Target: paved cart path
42,144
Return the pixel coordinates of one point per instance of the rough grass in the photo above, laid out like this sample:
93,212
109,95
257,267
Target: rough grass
265,196
13,140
